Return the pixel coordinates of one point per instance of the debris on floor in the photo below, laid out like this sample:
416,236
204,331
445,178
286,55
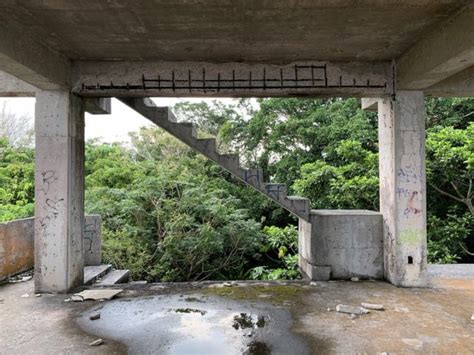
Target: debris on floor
77,298
190,310
96,342
341,308
25,295
355,279
102,294
95,316
372,306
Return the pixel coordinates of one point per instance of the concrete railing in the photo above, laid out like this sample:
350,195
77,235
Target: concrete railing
17,240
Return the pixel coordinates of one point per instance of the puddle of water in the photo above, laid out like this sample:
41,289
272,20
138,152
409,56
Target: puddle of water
173,325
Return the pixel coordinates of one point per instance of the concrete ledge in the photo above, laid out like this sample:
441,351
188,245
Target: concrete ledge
314,272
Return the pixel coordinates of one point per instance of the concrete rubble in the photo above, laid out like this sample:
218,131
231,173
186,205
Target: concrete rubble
372,306
341,308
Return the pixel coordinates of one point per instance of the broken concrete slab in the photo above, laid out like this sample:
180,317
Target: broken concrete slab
97,342
103,294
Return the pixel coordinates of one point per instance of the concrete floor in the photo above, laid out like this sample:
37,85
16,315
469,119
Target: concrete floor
164,318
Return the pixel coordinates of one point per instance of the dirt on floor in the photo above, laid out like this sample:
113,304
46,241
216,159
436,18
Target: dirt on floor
245,317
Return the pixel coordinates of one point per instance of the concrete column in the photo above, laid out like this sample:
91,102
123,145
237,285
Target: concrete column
403,187
59,191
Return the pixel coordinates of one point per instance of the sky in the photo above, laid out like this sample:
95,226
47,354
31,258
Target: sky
107,128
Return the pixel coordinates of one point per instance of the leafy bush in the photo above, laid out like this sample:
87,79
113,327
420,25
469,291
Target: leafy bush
279,251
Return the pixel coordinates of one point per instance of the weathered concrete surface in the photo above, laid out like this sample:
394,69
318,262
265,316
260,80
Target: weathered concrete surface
340,244
26,56
98,106
59,191
403,187
44,325
191,78
432,39
219,31
443,52
429,320
16,247
11,86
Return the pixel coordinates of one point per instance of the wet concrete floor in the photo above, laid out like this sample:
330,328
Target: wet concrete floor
194,324
246,317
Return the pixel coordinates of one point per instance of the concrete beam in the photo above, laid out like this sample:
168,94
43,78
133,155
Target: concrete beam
370,104
28,59
459,85
13,87
145,79
98,105
444,52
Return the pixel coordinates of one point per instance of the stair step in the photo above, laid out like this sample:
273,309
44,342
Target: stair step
207,144
114,277
252,176
172,117
184,129
230,161
299,204
275,191
92,273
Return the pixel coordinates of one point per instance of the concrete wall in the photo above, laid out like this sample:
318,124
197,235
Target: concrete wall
17,245
340,244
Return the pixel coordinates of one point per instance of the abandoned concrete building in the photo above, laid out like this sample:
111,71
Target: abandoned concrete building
74,56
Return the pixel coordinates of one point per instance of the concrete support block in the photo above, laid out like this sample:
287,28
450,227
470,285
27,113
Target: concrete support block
59,191
92,240
340,244
403,187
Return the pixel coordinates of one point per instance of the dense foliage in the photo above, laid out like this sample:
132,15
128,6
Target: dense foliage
169,214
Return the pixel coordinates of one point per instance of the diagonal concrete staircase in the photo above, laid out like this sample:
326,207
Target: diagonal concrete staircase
186,132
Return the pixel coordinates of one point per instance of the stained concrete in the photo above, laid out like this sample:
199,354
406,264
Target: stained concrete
430,320
241,30
17,245
401,135
59,191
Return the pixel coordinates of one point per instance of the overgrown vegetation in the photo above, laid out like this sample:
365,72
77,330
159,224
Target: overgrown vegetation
169,214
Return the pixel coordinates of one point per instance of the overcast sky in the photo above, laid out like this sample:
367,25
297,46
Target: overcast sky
109,128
